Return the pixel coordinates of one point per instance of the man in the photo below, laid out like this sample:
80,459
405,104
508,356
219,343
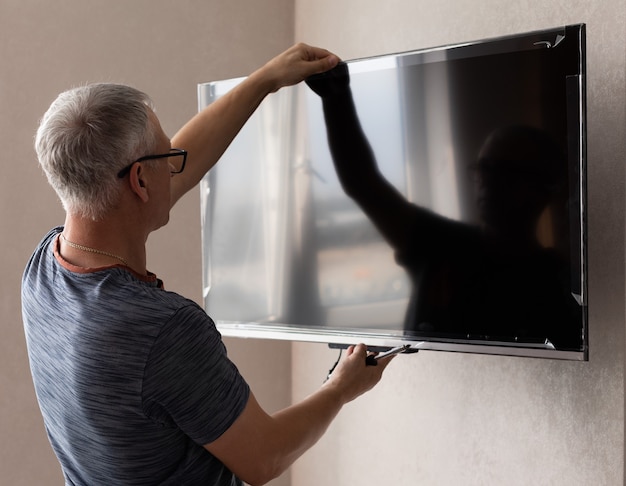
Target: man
133,381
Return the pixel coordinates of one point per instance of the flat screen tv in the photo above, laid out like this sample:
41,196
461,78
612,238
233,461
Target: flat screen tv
433,198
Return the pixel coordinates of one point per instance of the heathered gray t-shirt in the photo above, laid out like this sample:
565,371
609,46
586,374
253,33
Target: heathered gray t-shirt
131,379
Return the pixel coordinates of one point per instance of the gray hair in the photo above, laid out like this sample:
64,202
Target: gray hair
86,137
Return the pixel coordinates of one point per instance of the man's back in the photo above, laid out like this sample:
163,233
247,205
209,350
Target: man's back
131,379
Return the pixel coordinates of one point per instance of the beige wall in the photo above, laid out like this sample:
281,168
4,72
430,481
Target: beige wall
164,48
438,418
451,419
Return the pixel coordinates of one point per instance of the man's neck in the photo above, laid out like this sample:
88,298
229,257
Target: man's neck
90,244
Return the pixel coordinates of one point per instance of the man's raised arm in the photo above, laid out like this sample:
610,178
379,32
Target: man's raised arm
209,133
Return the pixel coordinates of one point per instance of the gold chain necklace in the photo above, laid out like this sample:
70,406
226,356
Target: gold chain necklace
93,250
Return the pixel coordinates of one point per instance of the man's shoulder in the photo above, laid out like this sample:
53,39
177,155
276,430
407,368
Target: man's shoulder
115,291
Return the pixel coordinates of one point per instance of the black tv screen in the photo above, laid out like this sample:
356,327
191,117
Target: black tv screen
434,198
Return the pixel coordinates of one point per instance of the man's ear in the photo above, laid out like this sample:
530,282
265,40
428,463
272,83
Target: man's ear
138,181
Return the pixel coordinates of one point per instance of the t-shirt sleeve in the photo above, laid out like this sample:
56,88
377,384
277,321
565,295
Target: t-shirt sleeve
190,383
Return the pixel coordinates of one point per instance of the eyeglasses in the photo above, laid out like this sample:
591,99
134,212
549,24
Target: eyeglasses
178,158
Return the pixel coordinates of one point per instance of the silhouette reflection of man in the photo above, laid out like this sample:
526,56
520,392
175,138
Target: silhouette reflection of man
490,281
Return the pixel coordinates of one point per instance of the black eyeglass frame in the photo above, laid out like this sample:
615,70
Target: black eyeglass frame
174,152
